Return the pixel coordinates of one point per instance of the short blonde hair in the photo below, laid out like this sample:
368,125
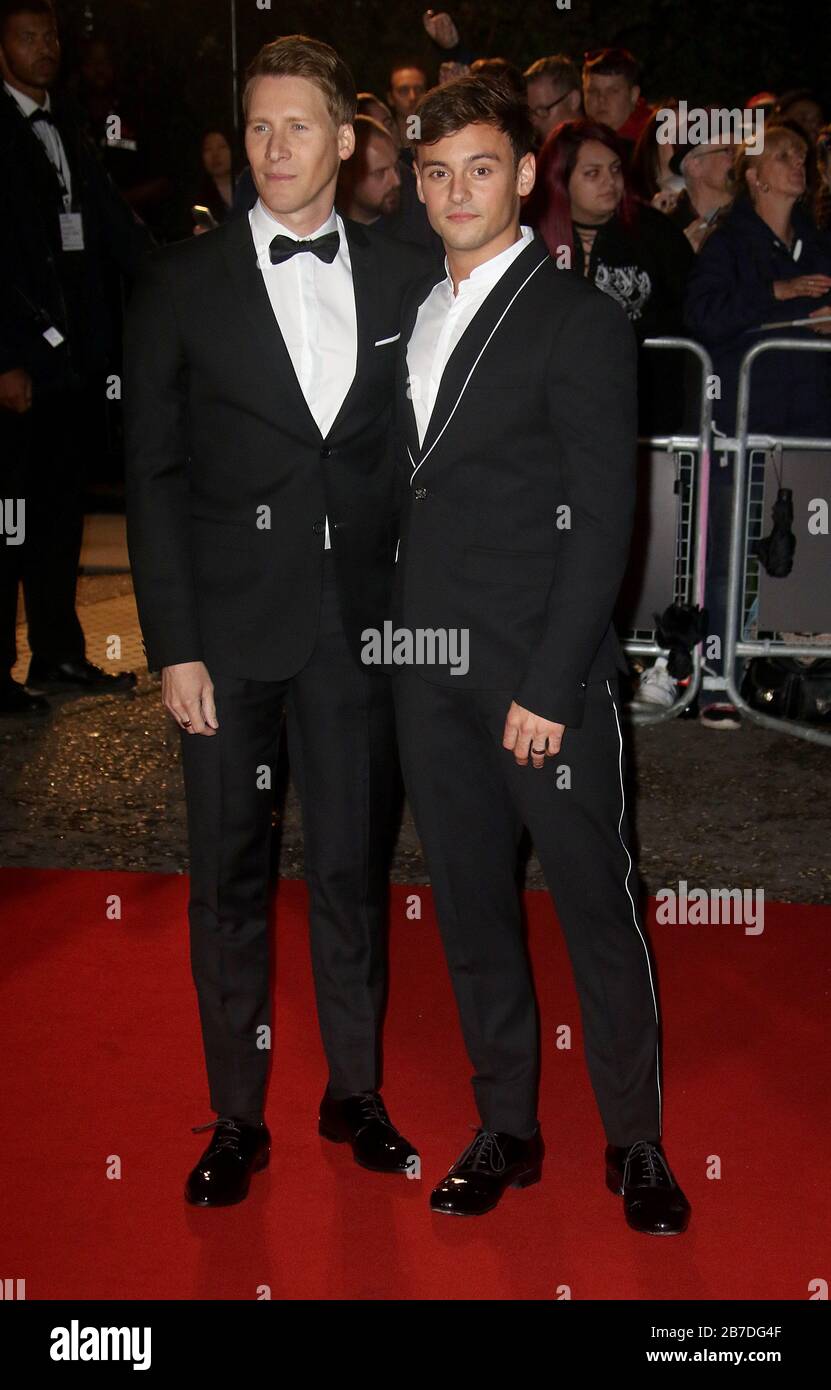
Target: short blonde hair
745,157
296,55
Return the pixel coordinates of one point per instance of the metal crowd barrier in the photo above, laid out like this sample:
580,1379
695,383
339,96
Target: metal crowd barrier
690,455
741,565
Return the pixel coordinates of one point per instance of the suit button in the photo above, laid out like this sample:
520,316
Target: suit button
319,527
420,493
583,683
325,452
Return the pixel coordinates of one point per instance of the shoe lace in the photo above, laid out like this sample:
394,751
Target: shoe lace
483,1152
649,1165
373,1108
228,1139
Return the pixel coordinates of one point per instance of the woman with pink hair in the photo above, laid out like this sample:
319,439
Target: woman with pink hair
592,222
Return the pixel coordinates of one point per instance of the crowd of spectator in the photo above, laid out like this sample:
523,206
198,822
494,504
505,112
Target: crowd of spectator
713,237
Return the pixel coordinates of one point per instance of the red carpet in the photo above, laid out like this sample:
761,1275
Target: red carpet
102,1065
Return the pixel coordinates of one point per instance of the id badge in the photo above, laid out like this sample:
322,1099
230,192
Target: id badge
72,231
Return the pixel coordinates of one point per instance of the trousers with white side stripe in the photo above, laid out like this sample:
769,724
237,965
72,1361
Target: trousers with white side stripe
470,801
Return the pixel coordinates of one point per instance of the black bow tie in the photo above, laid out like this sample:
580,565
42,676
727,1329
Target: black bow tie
41,115
324,247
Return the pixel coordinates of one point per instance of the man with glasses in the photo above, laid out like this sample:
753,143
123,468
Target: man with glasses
553,88
705,169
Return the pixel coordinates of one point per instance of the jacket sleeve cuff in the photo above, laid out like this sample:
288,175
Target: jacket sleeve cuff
558,703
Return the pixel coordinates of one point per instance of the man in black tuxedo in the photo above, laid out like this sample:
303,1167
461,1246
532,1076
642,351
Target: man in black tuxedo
259,383
66,236
516,420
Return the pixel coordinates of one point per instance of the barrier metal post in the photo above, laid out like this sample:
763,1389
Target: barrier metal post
698,446
735,644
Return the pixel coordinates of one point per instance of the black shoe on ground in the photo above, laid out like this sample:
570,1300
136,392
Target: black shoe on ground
652,1200
80,676
223,1173
362,1121
721,715
492,1162
15,699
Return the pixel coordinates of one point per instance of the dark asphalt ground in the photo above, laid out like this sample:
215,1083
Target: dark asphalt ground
97,785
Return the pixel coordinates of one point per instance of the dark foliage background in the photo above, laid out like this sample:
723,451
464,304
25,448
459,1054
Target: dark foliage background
174,56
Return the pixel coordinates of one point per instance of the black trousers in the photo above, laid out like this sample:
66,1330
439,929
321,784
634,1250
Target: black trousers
341,753
470,800
44,461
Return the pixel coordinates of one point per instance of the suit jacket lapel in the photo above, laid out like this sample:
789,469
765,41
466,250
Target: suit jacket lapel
365,287
403,388
41,165
269,344
463,360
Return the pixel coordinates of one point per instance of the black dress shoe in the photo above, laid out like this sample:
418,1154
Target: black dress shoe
652,1200
362,1121
78,675
223,1173
15,699
492,1162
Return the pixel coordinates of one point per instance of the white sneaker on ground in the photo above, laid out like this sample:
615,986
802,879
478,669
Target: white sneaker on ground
656,686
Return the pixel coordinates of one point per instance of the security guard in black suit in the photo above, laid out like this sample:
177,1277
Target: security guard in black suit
65,237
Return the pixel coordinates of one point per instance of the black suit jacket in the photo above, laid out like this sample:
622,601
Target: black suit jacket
536,413
41,285
220,440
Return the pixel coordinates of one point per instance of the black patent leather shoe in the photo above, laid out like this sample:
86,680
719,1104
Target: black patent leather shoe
362,1121
652,1200
492,1162
80,676
223,1173
16,699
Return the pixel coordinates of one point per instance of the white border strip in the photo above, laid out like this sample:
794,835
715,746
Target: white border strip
634,913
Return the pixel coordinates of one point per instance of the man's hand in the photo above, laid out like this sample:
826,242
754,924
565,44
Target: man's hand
665,199
188,694
823,317
16,391
441,28
526,732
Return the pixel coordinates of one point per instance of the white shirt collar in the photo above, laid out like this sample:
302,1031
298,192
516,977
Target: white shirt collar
265,226
26,104
486,275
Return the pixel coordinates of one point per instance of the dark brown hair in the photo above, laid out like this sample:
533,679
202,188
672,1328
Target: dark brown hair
467,101
296,55
502,71
612,62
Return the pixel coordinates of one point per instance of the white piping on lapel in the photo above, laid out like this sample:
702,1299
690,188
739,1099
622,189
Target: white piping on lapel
416,466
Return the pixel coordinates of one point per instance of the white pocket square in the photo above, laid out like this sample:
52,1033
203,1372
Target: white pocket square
383,341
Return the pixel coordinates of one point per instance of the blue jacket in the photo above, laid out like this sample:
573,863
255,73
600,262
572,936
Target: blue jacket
730,292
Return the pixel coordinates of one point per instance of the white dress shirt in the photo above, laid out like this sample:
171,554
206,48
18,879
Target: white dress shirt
314,305
441,321
49,138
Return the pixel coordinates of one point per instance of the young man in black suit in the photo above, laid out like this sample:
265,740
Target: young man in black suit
259,385
516,417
